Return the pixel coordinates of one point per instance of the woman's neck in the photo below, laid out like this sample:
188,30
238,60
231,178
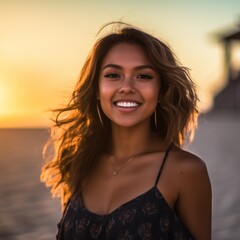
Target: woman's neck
127,142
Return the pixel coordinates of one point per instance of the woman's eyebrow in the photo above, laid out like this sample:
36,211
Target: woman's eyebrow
136,68
144,67
112,66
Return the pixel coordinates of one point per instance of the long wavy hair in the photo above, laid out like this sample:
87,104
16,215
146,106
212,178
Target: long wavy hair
78,136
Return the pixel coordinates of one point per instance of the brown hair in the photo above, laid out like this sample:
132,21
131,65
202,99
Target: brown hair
78,134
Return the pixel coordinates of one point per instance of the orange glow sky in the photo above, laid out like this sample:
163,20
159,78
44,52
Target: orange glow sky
44,43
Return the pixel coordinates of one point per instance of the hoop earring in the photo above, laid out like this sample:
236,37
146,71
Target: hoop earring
99,115
155,115
155,118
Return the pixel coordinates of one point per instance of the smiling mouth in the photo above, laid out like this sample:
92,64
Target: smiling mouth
127,104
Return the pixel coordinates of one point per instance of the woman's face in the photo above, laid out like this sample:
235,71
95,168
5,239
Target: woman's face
128,85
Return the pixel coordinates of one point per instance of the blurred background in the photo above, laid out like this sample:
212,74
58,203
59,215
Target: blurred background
43,45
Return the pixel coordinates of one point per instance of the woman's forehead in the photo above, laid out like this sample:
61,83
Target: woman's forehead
125,54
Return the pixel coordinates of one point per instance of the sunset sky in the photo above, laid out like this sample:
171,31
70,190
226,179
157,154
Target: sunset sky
43,45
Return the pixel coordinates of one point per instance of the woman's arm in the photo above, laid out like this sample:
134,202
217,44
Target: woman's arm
194,204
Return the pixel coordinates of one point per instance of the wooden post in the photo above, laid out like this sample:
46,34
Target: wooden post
228,68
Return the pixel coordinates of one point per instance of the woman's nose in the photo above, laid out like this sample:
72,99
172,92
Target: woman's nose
127,86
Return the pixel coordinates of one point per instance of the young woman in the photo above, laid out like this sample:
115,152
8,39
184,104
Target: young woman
118,162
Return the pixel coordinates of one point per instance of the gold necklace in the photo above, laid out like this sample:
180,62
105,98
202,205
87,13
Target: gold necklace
129,160
116,171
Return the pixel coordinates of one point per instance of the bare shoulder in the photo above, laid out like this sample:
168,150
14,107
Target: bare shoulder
194,192
187,164
190,171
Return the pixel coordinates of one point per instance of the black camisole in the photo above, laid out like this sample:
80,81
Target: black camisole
146,217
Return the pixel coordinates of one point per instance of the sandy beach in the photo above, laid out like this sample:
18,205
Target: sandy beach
27,210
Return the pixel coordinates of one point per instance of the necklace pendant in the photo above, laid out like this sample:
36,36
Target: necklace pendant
115,173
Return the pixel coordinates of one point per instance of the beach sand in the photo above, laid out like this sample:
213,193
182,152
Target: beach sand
27,210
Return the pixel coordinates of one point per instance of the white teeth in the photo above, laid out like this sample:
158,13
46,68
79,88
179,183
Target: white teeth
127,104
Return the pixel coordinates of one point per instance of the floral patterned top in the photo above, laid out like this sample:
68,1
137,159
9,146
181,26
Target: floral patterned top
146,217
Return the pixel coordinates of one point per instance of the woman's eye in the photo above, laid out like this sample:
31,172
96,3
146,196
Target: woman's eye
144,76
111,75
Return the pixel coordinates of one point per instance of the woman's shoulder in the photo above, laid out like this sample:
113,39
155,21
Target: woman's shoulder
194,191
187,163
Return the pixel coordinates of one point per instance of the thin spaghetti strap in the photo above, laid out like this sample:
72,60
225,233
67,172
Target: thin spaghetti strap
60,224
163,163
